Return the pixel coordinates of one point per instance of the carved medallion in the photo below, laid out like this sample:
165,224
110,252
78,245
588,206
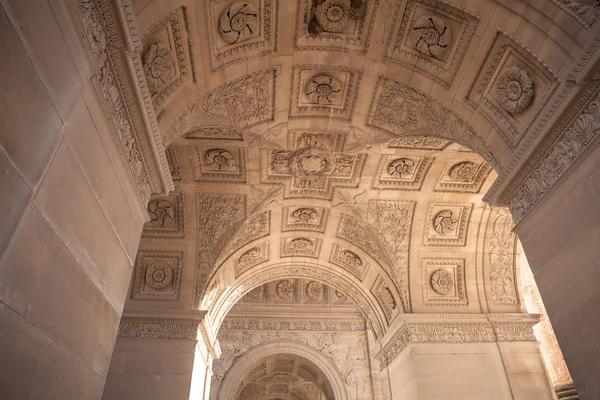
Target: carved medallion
166,217
431,35
324,89
219,159
514,90
333,15
239,22
444,223
447,224
401,168
285,289
314,290
442,281
158,66
463,172
160,211
407,173
306,218
158,275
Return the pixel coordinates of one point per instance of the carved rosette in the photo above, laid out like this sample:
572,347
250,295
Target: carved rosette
160,212
158,275
444,223
314,290
158,66
432,35
239,22
324,89
514,90
442,281
285,289
463,172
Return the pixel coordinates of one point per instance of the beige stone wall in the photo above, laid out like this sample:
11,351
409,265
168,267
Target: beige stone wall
72,217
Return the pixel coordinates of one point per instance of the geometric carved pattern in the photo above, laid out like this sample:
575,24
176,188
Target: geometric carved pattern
166,217
324,91
219,164
349,260
157,275
462,176
306,218
431,36
444,280
300,246
166,57
512,86
401,172
251,258
238,30
447,224
354,35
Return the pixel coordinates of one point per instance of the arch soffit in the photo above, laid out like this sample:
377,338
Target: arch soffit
237,370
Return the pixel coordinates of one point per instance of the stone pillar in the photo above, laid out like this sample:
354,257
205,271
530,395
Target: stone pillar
161,354
476,357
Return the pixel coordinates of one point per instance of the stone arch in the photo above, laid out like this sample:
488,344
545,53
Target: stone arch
322,272
235,373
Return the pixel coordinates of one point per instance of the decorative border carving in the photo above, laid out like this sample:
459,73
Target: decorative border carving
585,13
306,323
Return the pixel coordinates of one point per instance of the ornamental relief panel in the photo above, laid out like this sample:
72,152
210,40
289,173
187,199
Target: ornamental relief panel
240,103
306,218
166,57
237,29
173,160
501,262
386,299
447,224
219,164
158,275
301,247
251,258
419,142
512,86
401,172
313,169
349,260
403,110
216,132
323,91
166,217
444,281
432,37
286,291
334,24
464,176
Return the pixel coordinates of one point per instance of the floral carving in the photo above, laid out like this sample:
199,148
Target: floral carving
219,159
158,275
419,142
158,66
239,22
515,90
160,211
285,289
340,295
334,15
314,290
442,281
463,172
444,222
502,260
305,215
348,260
250,256
324,88
388,298
431,35
401,168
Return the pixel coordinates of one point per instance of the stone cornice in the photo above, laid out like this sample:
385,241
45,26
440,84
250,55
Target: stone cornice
310,323
114,43
454,328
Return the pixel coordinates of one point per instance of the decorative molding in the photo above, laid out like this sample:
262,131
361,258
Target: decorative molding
512,87
419,142
402,110
216,133
251,258
305,218
447,224
463,176
167,217
353,36
576,136
120,80
171,329
158,275
298,246
218,164
431,36
305,323
446,328
240,103
585,12
238,29
444,281
166,57
349,260
401,172
323,91
173,160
